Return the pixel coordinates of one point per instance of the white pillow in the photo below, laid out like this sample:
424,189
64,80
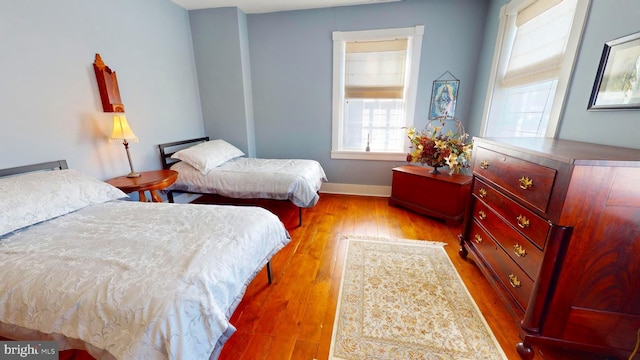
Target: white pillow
208,155
34,197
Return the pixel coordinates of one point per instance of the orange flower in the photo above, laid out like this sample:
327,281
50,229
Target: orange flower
433,148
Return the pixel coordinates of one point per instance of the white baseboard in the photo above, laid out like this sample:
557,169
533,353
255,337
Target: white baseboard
327,188
356,189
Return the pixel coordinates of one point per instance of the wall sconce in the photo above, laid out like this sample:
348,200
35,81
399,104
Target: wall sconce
122,133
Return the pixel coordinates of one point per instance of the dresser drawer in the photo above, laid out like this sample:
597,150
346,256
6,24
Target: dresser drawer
512,277
519,248
529,182
534,227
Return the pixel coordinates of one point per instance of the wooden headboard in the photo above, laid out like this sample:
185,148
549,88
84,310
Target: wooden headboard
168,149
50,165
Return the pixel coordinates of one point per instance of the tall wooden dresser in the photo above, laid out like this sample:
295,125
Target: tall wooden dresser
554,225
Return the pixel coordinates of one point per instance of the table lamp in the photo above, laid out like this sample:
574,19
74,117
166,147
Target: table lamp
122,132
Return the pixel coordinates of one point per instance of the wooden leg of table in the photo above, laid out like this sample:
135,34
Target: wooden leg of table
143,198
155,196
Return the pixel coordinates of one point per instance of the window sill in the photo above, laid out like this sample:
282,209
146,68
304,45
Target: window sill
368,155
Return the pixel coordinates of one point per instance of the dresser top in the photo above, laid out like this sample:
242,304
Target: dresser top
567,151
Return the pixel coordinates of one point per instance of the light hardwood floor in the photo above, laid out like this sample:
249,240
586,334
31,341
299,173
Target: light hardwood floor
293,317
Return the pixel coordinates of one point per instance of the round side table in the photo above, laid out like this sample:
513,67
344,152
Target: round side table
151,181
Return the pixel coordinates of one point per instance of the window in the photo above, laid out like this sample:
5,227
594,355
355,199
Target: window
375,75
535,51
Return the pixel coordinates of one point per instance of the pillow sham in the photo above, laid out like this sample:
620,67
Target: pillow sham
34,197
208,155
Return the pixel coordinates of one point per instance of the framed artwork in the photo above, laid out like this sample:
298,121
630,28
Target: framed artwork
617,84
443,98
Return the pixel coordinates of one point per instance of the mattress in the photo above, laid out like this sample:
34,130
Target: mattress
135,280
296,180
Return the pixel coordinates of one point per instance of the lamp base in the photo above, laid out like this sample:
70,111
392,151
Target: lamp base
133,174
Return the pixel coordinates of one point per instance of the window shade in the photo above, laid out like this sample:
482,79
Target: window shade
375,69
540,42
535,9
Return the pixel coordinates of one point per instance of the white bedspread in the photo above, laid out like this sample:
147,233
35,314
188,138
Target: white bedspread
140,280
280,179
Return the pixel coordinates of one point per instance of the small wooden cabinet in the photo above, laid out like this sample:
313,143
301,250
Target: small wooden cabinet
442,196
554,225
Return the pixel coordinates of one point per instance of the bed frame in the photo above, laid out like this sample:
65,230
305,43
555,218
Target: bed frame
45,166
50,165
168,149
61,165
282,208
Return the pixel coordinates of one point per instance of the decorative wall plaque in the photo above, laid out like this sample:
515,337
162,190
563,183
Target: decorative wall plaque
108,86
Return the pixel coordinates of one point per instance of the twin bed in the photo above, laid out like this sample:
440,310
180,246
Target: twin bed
220,171
123,279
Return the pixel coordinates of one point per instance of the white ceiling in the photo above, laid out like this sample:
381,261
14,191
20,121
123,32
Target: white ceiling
265,6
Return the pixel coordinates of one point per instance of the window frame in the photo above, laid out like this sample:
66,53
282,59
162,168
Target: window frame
414,35
502,51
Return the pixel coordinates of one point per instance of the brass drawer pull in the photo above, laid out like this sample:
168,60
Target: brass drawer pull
478,238
525,183
519,250
523,222
482,215
513,280
482,193
484,164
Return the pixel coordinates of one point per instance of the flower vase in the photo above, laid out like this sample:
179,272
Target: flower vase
435,171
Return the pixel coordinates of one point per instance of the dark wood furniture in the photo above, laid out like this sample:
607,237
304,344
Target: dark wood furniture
107,86
441,196
554,225
151,181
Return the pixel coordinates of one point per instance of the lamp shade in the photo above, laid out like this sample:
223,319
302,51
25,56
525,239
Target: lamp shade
121,130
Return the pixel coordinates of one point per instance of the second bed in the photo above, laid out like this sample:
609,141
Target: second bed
223,173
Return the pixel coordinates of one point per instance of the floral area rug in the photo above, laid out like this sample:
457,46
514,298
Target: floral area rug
403,299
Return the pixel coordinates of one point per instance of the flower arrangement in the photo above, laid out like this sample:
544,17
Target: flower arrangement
437,149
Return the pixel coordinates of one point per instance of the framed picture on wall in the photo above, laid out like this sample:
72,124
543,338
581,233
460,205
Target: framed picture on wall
617,84
443,98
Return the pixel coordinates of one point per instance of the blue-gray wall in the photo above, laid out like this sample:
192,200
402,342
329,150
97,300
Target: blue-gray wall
49,97
607,20
276,66
291,64
224,75
484,66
